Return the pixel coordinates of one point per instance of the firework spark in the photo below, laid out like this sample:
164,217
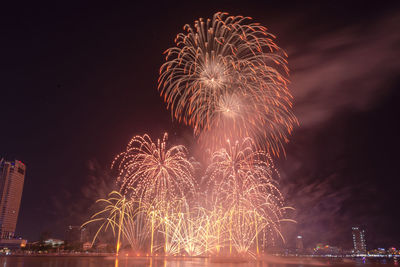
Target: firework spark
228,80
241,178
116,213
241,207
151,170
189,229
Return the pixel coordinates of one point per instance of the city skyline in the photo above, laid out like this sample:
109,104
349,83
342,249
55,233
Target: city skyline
83,86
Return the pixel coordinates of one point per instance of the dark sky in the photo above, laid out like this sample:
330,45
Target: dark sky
79,80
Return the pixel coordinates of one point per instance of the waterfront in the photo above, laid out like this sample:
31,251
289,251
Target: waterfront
76,261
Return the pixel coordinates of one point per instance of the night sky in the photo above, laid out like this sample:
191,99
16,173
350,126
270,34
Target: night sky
79,80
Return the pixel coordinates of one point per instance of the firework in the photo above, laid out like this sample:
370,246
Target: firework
241,178
134,221
137,226
117,212
151,170
156,176
241,207
228,80
189,229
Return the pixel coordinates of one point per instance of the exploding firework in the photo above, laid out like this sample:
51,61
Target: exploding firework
241,211
190,229
115,215
135,222
155,176
241,178
228,80
150,170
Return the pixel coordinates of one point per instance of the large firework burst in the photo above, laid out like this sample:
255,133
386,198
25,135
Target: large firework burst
153,171
228,80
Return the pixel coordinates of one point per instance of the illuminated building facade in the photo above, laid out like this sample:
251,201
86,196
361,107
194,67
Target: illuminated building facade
12,176
360,246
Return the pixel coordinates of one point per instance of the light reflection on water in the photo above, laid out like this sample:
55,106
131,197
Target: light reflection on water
47,261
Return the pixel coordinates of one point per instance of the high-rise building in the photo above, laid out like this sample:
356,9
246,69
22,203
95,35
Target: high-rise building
12,176
299,243
360,246
75,234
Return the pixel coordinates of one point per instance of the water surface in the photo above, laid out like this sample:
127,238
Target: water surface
76,261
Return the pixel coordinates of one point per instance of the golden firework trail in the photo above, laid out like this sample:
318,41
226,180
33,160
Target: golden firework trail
116,213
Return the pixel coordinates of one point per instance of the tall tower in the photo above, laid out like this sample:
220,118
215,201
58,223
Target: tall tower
299,243
12,175
360,246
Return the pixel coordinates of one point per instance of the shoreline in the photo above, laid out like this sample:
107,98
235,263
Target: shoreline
211,258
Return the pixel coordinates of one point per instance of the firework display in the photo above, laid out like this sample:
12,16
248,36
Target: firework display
239,210
228,80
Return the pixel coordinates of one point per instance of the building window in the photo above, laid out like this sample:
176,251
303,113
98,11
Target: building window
21,171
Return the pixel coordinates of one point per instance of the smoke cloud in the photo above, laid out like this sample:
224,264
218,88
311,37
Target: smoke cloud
347,69
335,76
